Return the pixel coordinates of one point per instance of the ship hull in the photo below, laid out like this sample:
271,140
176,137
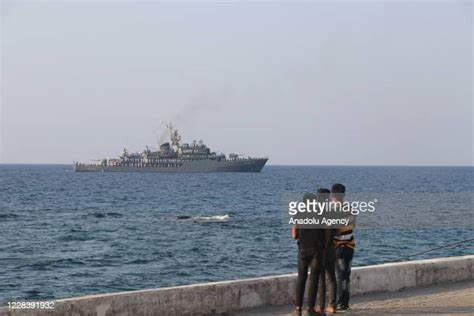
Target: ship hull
206,166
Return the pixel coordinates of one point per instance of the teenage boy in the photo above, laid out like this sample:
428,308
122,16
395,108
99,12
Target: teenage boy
310,245
328,267
345,243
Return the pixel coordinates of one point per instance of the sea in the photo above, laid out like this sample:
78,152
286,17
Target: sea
65,234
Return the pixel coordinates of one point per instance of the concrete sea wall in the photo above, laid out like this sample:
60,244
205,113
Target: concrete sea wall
227,296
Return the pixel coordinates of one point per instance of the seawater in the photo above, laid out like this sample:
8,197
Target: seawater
66,234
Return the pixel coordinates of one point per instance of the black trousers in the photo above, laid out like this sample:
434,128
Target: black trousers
344,257
328,272
308,258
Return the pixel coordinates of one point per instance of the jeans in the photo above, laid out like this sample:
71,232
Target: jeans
344,257
308,258
328,271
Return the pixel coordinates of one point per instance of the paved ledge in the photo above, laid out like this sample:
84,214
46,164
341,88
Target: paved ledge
230,296
442,299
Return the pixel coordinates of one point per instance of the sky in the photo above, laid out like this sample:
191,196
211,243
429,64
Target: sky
304,83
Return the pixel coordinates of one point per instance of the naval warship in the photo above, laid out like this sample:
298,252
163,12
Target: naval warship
175,157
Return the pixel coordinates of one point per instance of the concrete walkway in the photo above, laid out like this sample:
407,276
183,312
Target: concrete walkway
446,299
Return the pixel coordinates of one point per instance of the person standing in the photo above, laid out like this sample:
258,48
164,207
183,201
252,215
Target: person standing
310,243
328,267
345,244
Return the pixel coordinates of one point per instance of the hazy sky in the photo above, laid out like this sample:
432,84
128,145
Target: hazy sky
353,83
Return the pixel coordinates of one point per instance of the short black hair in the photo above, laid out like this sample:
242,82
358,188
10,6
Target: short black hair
338,188
323,194
309,197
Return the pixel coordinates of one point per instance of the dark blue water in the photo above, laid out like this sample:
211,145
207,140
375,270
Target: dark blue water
65,234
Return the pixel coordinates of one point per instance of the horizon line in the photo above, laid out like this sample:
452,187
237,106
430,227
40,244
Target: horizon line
268,165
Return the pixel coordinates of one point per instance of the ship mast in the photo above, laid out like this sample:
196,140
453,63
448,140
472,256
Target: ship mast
174,135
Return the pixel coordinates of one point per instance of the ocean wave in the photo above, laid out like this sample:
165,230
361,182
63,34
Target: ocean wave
139,261
103,214
77,236
49,264
7,216
215,218
212,218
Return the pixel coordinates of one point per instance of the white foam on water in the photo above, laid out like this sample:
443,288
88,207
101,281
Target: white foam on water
215,218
